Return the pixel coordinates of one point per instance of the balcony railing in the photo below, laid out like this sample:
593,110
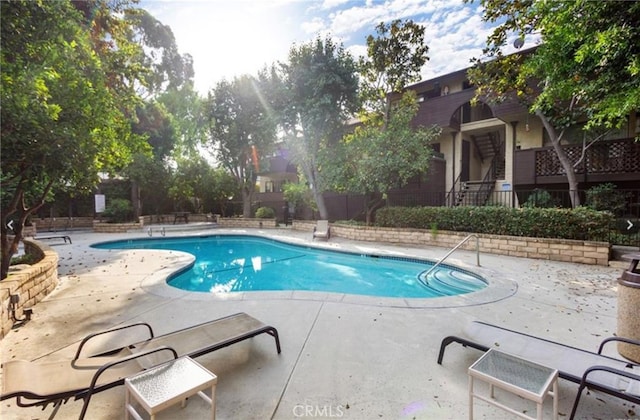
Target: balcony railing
612,159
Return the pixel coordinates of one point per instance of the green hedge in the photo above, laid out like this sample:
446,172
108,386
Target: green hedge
118,210
581,223
265,213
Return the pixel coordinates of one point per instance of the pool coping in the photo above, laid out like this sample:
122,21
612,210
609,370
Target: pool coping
499,287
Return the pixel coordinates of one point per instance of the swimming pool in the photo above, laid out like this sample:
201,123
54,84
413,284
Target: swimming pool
238,263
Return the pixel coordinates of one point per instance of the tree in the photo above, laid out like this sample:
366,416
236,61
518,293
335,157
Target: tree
187,108
241,130
319,92
586,67
150,178
385,151
168,69
192,182
166,73
155,123
63,118
394,60
374,160
224,189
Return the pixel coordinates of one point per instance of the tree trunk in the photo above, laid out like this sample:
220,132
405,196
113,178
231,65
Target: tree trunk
247,196
313,177
9,248
322,207
372,202
10,245
571,175
135,200
564,160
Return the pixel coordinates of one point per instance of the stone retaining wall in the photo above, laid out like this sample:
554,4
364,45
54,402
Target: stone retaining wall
64,223
241,222
31,282
582,252
102,227
169,218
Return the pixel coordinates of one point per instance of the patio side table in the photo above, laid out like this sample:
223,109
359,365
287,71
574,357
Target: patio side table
521,377
164,385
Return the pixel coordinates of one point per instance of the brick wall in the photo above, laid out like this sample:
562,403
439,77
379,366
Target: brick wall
32,283
64,223
241,222
582,252
169,218
101,227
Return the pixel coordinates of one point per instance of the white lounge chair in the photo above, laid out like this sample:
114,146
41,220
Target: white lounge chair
619,378
44,383
322,230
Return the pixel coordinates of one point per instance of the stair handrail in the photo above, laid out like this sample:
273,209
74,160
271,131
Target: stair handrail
450,198
488,183
462,242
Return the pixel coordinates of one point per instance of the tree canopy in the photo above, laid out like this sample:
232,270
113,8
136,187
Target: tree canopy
70,75
394,60
318,95
585,69
242,130
372,160
384,150
167,68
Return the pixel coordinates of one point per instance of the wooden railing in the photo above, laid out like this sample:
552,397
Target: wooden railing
602,159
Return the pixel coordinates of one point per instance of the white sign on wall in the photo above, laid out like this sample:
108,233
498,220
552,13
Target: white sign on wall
100,203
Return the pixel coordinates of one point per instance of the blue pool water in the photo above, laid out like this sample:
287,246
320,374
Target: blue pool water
235,263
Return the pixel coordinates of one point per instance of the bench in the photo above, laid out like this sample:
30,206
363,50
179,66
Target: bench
65,237
184,215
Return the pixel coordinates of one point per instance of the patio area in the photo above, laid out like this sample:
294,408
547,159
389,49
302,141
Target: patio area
350,357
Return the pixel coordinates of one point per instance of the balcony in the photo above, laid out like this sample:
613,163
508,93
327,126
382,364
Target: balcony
279,165
605,161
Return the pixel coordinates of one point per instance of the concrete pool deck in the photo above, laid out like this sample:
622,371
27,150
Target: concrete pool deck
350,357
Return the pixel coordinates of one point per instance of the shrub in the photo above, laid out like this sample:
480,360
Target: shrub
265,213
298,195
118,210
605,197
24,259
581,223
540,198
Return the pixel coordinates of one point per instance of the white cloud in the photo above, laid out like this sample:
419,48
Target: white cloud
228,38
330,4
314,26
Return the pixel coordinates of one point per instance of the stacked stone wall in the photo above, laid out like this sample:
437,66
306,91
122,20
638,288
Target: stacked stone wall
30,282
170,218
241,222
582,252
101,227
64,223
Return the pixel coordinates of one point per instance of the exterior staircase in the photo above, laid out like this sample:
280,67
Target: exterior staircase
478,193
475,193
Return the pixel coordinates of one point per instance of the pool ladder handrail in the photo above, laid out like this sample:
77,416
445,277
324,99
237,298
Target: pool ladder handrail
462,242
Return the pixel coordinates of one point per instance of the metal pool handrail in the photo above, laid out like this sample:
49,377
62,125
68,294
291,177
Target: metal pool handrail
456,247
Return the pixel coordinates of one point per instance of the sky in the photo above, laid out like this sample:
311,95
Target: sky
229,38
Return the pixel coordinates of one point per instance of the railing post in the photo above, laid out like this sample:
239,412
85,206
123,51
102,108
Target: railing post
456,247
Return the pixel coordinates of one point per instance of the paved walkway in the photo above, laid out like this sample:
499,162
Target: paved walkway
343,357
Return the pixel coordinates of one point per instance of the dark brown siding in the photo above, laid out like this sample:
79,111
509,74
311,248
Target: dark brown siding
524,167
440,110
